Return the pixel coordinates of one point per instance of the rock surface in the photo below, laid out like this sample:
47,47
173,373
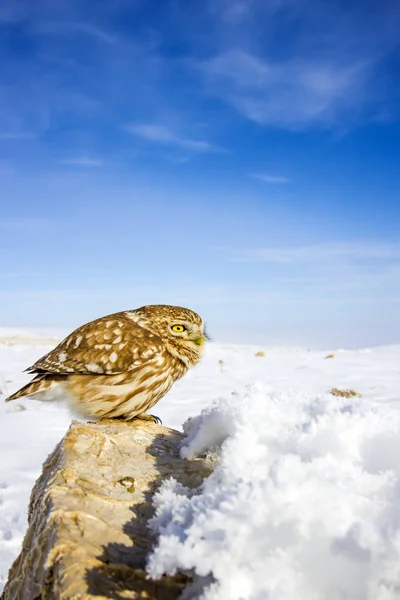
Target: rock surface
88,535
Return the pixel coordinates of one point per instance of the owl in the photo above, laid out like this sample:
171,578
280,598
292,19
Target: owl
120,365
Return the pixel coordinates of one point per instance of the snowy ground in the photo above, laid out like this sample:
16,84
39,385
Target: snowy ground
305,502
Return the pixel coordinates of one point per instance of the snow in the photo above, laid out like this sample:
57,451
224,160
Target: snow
13,336
304,499
304,502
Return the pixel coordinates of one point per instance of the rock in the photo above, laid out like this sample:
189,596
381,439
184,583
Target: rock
88,536
344,393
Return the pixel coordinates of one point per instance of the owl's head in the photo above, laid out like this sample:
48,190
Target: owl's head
182,330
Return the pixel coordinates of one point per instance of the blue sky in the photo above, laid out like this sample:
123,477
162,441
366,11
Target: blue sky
237,157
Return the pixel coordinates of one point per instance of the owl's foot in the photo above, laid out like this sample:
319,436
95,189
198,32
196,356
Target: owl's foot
152,418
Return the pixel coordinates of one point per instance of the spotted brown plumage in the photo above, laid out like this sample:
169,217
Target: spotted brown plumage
122,364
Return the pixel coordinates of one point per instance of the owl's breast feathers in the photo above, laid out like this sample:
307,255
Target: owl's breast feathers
109,367
126,394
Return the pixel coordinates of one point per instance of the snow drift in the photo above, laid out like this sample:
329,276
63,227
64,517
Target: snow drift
303,503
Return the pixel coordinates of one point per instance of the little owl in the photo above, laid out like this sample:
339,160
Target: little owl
120,365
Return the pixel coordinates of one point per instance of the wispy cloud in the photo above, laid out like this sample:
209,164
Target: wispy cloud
238,12
288,93
162,134
324,253
269,178
7,168
83,161
26,224
11,12
50,27
345,271
16,135
295,64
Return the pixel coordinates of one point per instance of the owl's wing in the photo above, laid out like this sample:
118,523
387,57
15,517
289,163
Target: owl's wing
107,346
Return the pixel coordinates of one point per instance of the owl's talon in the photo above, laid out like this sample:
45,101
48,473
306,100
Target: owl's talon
153,418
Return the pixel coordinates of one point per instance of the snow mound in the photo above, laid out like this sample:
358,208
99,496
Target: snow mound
304,501
15,336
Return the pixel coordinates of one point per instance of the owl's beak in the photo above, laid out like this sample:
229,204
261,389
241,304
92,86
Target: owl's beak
199,340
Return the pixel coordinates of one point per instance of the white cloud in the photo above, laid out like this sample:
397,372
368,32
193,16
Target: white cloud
289,93
324,253
83,161
16,135
269,178
11,12
164,135
233,11
26,224
326,270
296,63
67,28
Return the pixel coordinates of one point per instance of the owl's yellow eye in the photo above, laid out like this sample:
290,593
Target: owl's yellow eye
178,328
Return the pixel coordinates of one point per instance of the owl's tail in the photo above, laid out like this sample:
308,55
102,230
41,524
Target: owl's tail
40,383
